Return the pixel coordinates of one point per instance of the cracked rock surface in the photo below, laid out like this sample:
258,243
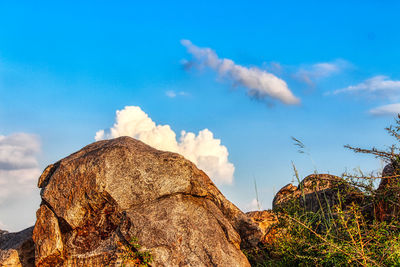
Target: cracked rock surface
113,190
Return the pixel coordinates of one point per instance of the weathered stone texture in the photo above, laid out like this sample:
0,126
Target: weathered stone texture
111,191
316,192
17,249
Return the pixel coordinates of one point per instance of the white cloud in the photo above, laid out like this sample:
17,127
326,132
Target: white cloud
253,205
376,86
391,109
259,83
202,149
173,94
170,94
18,164
2,226
312,73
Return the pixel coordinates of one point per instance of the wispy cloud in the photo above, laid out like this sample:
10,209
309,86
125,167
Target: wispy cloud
173,94
18,164
202,149
259,83
391,109
378,86
2,226
310,74
253,205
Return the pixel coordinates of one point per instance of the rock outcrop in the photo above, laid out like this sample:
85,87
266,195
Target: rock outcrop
265,220
17,249
390,173
316,192
388,193
285,196
99,198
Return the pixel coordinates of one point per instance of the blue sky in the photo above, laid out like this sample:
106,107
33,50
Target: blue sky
67,67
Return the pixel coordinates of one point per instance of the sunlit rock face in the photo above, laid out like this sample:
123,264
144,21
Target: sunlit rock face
111,191
316,192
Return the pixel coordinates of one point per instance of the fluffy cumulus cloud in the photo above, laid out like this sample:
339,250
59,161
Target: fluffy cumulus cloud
391,109
18,164
312,73
378,86
259,83
202,149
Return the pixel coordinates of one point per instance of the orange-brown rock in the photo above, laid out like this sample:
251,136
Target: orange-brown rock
111,191
10,258
47,237
265,220
285,195
17,249
316,192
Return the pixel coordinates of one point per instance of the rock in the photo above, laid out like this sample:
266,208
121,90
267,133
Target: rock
388,171
268,222
287,194
99,198
2,232
47,236
388,193
9,257
265,220
17,249
316,192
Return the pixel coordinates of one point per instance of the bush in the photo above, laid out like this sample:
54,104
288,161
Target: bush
360,233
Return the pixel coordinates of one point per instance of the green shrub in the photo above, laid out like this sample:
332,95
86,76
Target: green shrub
346,238
356,234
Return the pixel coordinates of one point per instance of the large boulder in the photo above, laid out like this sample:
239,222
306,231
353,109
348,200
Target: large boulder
115,192
17,249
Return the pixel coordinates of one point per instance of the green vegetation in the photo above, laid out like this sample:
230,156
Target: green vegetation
355,231
346,239
130,254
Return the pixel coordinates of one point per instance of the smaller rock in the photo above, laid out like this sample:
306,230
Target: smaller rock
385,183
387,194
265,220
287,193
17,249
47,237
316,192
9,258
